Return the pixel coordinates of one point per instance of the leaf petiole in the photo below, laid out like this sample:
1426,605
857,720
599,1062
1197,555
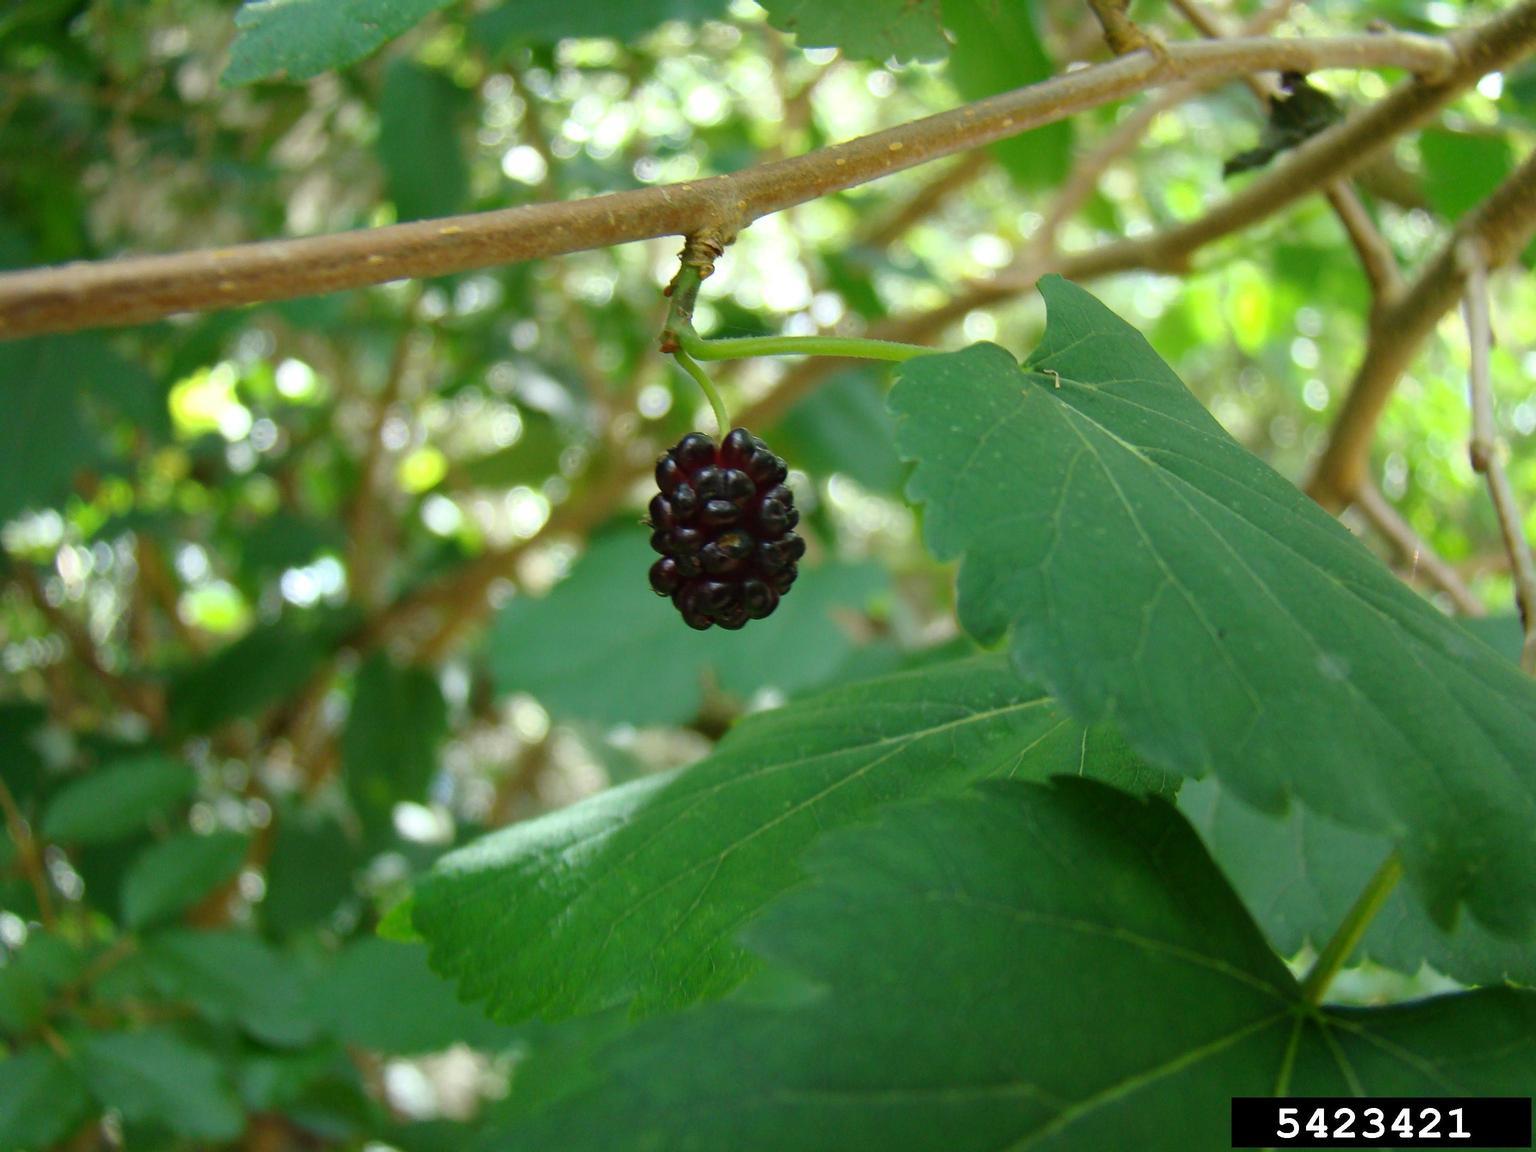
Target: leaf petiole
1349,933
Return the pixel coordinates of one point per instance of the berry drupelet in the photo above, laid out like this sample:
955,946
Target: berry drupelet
724,525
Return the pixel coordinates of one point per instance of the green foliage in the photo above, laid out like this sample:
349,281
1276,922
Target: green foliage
177,873
389,749
297,39
1159,574
996,49
638,893
577,648
155,1078
58,390
117,800
1299,873
1022,965
382,995
42,1099
865,29
420,111
331,691
549,21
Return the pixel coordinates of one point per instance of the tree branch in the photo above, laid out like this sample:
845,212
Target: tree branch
1484,448
139,289
1503,224
1413,551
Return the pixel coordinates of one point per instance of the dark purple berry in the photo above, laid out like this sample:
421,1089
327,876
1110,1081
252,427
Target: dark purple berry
665,578
724,525
719,514
685,502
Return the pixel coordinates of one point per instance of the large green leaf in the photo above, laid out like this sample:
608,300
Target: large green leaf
997,49
1058,967
389,748
382,995
420,114
602,646
1150,569
547,21
1299,873
297,39
638,892
176,874
117,800
42,1099
864,29
156,1077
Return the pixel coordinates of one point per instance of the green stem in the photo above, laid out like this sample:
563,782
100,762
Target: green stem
679,331
1348,935
701,378
740,347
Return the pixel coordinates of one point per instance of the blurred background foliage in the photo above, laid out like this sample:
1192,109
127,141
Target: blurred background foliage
221,760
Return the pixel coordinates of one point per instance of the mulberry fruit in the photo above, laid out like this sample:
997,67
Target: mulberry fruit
724,525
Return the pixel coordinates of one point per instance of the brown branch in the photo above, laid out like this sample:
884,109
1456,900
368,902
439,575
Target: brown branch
1413,551
1375,254
1376,257
27,852
1503,224
1484,448
139,289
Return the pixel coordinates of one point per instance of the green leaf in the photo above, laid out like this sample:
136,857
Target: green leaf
1299,874
47,434
177,873
420,113
156,1077
231,976
1057,967
844,426
310,872
997,49
864,29
389,748
1461,168
297,39
382,995
118,800
42,1100
23,998
548,21
262,667
602,646
1152,570
638,892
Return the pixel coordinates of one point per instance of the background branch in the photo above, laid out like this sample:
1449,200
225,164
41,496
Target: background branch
140,289
1503,224
1485,448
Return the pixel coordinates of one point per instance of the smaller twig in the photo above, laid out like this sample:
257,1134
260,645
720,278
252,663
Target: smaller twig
1484,448
1376,258
29,855
1414,551
1349,934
